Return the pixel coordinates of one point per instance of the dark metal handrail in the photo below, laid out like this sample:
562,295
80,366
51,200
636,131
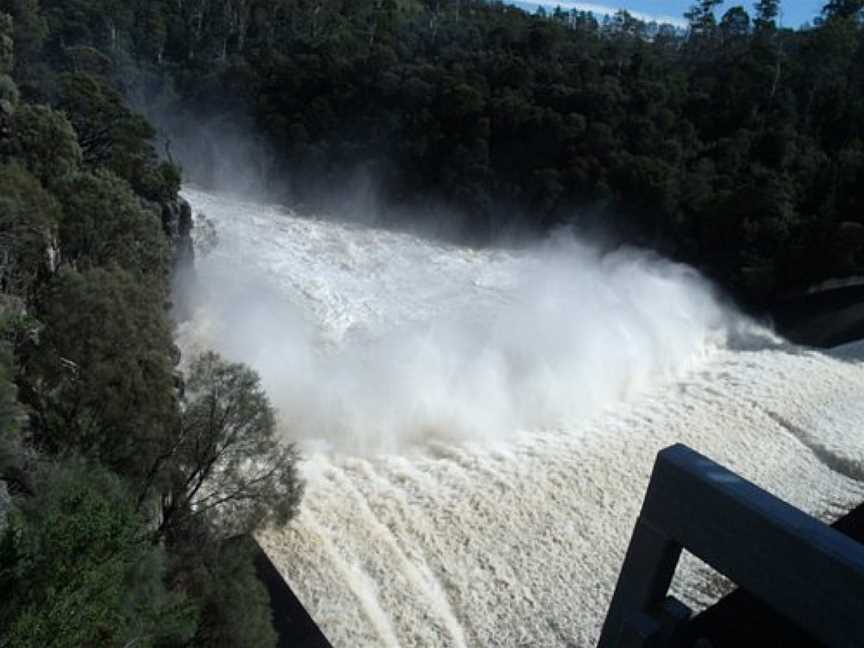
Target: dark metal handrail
803,569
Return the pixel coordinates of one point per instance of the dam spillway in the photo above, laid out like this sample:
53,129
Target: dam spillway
478,425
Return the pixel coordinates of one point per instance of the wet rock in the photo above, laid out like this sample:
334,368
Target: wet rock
177,223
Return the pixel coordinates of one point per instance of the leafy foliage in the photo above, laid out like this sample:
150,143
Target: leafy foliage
128,545
9,93
230,468
100,379
661,135
81,574
104,223
235,608
45,143
10,410
113,136
28,231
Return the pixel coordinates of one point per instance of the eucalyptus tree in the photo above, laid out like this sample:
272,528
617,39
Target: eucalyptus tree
76,568
228,467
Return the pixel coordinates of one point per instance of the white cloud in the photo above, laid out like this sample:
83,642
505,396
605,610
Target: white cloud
605,10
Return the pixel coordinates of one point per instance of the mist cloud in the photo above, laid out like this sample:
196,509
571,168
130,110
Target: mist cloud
498,341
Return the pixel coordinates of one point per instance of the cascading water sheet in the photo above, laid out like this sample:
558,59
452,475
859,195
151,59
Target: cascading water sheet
478,426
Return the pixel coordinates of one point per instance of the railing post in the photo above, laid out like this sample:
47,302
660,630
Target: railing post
642,585
805,571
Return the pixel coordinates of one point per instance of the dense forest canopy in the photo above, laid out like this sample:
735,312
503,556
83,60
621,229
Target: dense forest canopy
133,484
734,144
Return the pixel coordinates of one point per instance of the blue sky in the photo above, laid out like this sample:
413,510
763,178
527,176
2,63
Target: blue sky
795,12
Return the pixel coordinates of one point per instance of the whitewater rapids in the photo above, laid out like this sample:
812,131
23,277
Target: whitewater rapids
478,427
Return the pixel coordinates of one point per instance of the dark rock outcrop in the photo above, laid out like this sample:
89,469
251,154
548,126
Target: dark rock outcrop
824,318
177,223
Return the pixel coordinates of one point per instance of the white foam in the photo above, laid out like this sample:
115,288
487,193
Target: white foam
506,524
373,340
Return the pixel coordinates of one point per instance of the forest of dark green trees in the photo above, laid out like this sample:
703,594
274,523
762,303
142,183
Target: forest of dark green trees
134,486
734,145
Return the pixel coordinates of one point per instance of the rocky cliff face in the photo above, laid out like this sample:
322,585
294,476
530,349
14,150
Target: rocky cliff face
177,223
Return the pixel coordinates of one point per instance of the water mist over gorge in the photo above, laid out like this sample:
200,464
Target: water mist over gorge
478,424
368,339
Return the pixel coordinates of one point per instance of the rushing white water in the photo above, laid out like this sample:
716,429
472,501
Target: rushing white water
479,426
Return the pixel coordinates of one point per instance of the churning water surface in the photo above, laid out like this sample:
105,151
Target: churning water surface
478,426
